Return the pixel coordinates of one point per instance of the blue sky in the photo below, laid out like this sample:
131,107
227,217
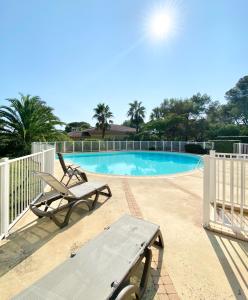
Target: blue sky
75,54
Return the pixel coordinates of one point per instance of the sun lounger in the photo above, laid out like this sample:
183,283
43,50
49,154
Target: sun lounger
71,171
74,195
102,268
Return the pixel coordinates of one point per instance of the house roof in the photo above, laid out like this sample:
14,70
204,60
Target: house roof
75,134
114,128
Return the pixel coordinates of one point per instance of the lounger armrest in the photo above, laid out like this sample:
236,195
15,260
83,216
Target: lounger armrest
72,167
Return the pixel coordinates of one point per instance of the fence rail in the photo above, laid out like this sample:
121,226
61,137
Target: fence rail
98,146
19,186
225,205
241,148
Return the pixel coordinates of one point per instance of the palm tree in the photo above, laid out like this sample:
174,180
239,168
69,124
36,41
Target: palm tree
136,113
156,113
26,120
103,116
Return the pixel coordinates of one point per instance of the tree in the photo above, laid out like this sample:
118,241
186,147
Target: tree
127,123
237,99
26,120
81,125
103,116
136,113
156,114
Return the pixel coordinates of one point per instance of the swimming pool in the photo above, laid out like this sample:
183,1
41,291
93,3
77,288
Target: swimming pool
135,163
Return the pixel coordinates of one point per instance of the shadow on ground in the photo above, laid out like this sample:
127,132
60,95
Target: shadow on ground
23,242
233,257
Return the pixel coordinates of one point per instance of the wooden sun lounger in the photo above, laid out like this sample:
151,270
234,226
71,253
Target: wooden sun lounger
75,195
102,268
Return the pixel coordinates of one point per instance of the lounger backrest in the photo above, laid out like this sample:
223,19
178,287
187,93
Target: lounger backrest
54,183
62,162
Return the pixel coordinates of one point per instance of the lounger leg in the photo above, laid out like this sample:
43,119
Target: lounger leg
108,194
61,180
109,191
83,176
95,200
68,180
144,278
67,217
127,291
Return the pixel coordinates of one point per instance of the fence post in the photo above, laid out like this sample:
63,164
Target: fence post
99,146
204,145
212,176
206,190
163,145
180,150
126,145
4,195
239,148
42,167
53,160
133,145
171,146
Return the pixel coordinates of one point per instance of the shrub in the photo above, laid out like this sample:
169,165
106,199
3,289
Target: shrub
224,146
195,148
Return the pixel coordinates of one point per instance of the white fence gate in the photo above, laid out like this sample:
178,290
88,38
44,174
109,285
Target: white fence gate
19,186
97,146
225,200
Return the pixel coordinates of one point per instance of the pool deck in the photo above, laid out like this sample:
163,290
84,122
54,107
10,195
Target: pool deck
196,264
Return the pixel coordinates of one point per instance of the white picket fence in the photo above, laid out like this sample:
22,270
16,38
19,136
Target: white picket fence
225,197
19,186
97,146
241,148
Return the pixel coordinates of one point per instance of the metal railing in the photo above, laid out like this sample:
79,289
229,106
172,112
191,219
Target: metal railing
98,146
225,201
19,186
241,148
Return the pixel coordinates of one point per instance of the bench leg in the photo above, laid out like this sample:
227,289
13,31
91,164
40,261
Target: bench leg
144,278
160,241
127,291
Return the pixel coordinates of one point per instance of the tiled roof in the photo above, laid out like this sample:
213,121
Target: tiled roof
113,128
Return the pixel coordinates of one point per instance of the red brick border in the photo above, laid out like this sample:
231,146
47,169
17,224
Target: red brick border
161,280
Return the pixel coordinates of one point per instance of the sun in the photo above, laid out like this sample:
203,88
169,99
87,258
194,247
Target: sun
161,24
162,21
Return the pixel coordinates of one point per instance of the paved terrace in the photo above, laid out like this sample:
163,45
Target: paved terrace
196,264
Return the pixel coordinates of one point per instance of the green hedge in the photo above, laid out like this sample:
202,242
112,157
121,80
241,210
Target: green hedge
195,148
224,146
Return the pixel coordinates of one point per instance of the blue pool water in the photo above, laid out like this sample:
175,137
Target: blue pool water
135,163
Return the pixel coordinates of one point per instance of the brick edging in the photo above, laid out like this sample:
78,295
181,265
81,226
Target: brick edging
162,282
